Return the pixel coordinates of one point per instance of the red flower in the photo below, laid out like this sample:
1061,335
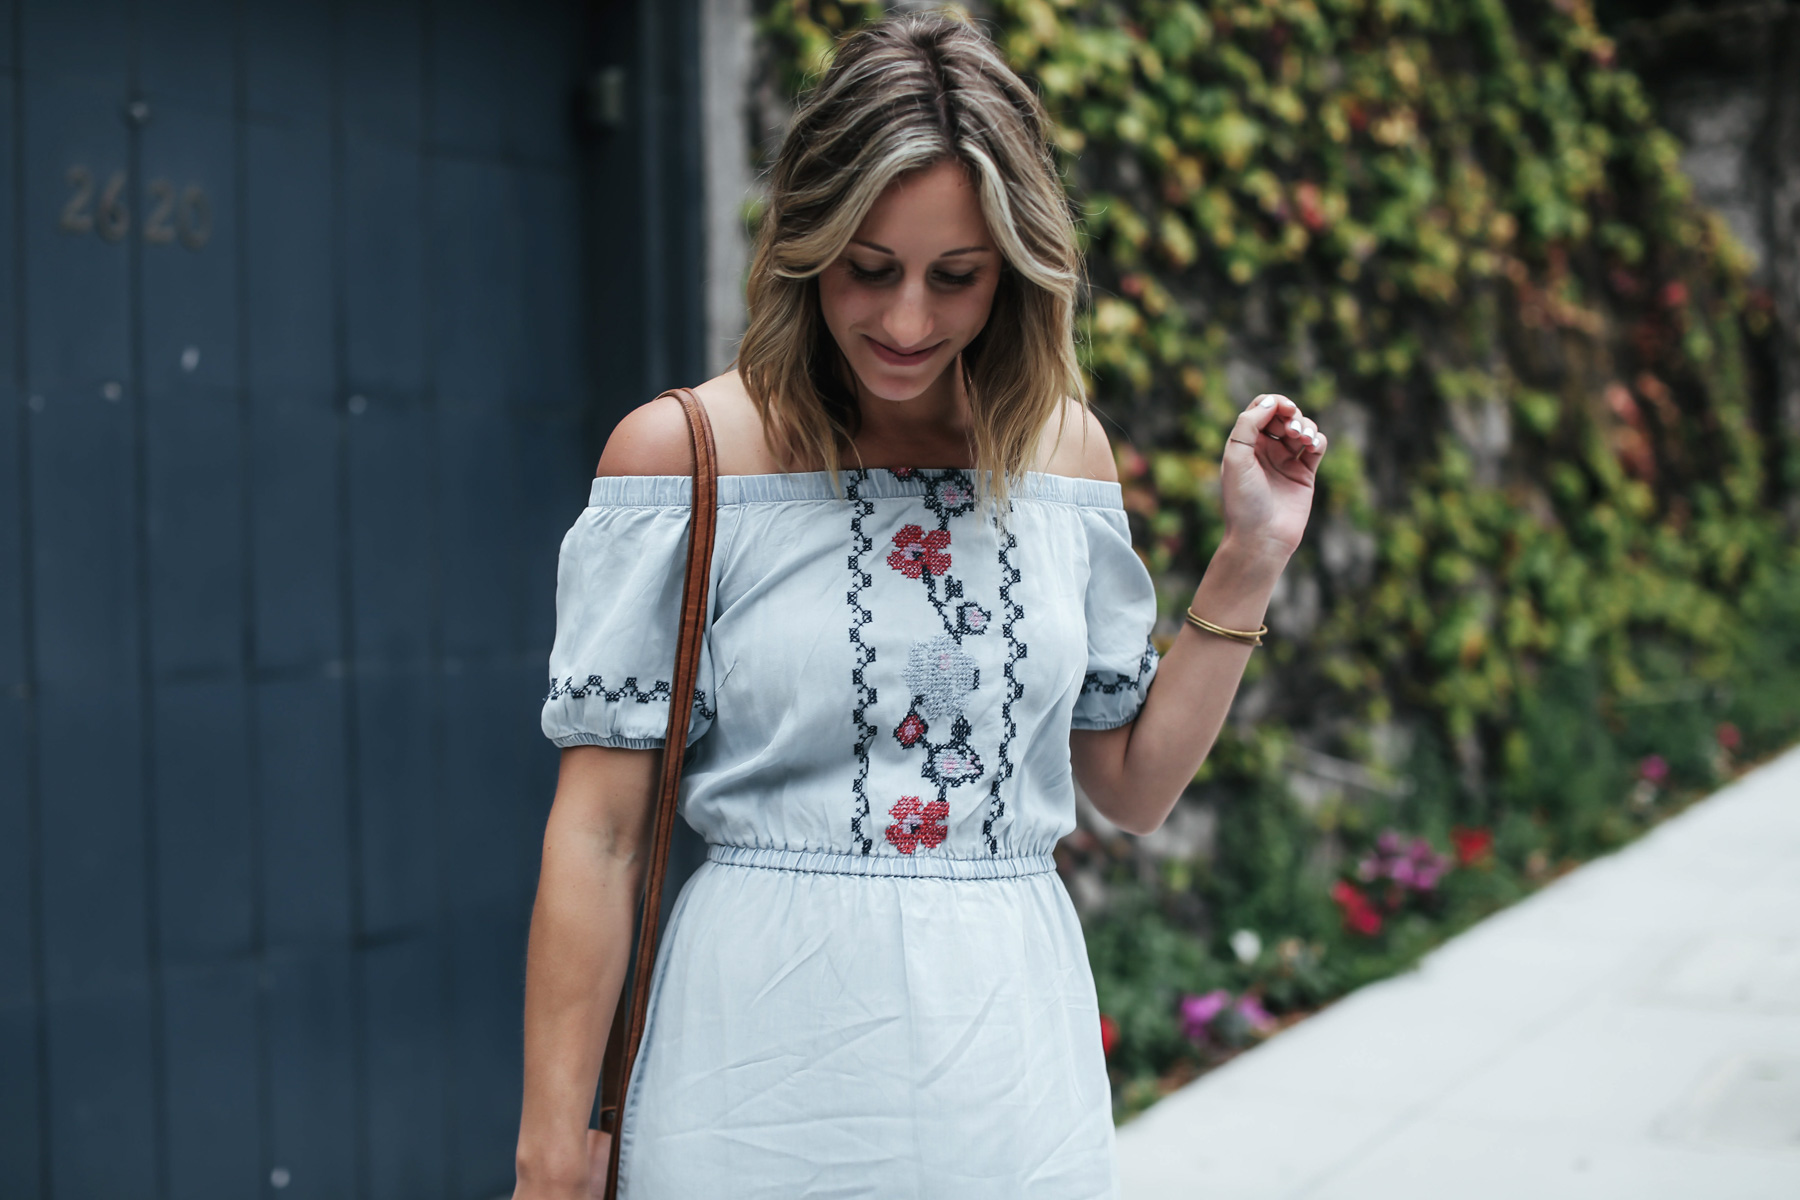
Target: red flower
1472,845
916,551
1674,294
915,826
1109,1034
910,730
1359,915
1729,737
1311,203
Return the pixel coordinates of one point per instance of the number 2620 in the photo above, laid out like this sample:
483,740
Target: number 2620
184,215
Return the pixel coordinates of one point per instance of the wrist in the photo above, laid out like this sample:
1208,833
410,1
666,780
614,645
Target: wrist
1253,561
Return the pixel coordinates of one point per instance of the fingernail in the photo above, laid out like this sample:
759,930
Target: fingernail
1267,402
1317,441
1294,426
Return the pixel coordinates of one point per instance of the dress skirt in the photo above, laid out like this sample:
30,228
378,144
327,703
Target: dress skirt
831,1025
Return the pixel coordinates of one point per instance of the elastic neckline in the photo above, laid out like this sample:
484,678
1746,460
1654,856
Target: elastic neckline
656,491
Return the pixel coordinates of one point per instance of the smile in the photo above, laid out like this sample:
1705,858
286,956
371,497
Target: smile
895,358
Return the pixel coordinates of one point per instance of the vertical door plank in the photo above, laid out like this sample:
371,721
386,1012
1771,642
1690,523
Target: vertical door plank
76,41
403,1007
487,952
301,773
185,53
295,424
549,358
287,51
102,1093
382,48
312,1074
210,1036
398,805
193,421
79,302
21,1127
205,825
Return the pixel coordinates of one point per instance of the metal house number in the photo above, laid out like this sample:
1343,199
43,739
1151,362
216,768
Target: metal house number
183,215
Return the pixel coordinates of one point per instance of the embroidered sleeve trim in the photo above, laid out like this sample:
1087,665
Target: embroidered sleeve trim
630,690
1113,683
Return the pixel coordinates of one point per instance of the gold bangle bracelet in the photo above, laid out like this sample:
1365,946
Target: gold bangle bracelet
1247,637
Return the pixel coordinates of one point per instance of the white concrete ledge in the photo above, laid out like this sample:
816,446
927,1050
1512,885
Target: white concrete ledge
1633,1030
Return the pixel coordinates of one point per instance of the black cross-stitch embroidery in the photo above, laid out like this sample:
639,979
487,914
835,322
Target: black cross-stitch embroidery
863,654
593,685
1111,684
1011,612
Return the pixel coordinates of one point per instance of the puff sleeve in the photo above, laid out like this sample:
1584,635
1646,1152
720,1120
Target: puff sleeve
618,602
1120,610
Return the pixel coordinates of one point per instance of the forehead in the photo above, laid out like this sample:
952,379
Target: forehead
927,212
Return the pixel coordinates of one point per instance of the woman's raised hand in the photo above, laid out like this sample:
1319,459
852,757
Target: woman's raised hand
1271,459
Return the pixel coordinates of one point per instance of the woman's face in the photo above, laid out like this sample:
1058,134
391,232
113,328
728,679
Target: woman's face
915,284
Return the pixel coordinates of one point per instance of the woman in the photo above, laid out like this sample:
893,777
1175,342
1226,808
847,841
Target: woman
927,626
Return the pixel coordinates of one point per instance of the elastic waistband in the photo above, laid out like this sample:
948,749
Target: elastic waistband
915,866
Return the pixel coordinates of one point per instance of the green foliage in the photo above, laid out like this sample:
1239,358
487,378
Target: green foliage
1454,231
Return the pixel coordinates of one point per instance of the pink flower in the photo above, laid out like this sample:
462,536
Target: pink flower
1197,1012
1654,768
1254,1014
1729,737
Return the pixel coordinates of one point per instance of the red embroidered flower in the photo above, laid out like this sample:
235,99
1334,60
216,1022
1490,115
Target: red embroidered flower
910,730
916,551
915,826
901,472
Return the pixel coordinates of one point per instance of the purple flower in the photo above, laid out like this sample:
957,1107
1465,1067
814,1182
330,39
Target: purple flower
1254,1014
1655,768
1197,1012
1388,843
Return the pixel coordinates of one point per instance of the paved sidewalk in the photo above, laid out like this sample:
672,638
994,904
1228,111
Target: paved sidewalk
1631,1031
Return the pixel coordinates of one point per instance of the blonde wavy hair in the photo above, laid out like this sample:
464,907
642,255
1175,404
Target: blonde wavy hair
901,95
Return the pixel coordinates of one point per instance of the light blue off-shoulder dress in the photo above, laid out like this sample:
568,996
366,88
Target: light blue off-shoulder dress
876,985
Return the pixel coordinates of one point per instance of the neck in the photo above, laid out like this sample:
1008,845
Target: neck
928,430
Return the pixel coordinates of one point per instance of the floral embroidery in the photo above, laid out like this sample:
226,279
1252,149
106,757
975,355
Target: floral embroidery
940,676
915,825
916,551
909,731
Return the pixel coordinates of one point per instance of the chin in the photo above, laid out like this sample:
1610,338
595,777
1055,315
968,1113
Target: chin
884,384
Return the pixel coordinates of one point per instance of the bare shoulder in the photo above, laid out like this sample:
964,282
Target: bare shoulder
652,439
1074,443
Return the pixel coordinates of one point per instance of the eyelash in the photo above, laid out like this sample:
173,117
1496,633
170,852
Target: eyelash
878,276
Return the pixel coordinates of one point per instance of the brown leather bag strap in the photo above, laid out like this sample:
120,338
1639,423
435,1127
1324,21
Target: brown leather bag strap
628,1030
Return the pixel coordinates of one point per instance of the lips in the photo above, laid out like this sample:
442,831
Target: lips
896,359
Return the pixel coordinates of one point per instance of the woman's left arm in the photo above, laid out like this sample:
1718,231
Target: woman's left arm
1135,773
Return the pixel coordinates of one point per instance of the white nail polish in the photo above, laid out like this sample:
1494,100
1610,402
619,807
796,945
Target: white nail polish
1294,426
1317,441
1267,402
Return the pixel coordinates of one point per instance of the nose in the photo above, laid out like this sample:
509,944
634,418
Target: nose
907,322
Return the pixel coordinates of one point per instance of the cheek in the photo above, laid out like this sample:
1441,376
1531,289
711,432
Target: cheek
842,303
971,310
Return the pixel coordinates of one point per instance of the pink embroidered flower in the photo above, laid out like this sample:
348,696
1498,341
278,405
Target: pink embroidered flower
916,551
953,495
910,730
916,826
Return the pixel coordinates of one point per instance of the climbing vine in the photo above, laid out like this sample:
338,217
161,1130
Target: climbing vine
1546,546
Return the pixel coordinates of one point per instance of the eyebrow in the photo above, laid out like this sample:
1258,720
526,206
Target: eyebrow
877,246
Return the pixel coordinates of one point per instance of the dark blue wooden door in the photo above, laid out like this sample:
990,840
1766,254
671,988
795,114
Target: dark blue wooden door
298,350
